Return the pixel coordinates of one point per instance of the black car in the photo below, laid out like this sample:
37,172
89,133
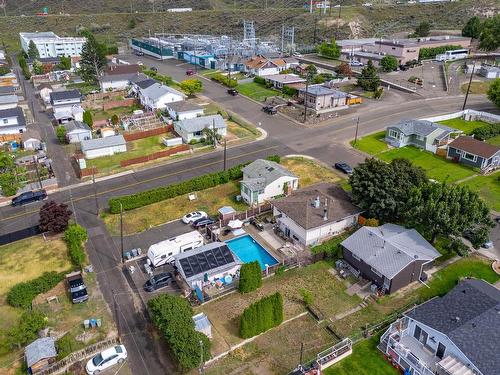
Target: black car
344,167
203,222
158,281
232,92
29,197
270,110
154,69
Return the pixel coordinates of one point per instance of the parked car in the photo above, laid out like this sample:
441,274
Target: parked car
154,69
106,359
203,222
158,281
232,92
344,167
403,67
488,244
355,63
139,53
29,197
77,287
269,109
257,224
189,72
193,216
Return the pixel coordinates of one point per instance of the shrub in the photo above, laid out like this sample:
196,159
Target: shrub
486,132
275,158
250,277
261,316
331,248
458,247
27,329
75,236
172,315
259,80
22,294
290,91
225,80
372,222
203,182
431,52
307,297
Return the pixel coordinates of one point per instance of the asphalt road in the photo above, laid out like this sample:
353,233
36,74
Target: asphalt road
328,142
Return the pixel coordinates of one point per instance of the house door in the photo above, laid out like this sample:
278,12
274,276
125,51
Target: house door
440,351
420,335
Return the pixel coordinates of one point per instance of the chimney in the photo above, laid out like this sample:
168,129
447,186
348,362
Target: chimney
325,214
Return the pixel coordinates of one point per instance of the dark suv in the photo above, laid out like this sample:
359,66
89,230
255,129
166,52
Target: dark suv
29,197
270,110
158,281
232,92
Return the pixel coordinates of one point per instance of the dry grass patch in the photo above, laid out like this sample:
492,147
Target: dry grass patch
309,171
209,200
329,297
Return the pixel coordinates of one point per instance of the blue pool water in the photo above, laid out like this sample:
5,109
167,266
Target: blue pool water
249,250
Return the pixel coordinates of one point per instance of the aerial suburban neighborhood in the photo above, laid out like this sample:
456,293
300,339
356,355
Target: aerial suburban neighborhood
256,187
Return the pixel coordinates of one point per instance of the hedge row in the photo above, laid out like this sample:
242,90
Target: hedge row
147,197
261,316
487,131
331,248
75,236
259,80
225,80
172,315
22,294
250,277
432,52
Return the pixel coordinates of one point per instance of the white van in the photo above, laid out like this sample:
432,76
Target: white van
163,252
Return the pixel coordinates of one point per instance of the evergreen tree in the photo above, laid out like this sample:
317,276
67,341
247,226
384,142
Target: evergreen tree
33,53
472,28
389,63
87,118
423,29
93,59
369,79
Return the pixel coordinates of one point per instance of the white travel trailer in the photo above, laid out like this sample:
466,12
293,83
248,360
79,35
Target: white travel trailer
163,252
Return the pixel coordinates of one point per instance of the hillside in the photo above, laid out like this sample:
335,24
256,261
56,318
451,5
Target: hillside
355,21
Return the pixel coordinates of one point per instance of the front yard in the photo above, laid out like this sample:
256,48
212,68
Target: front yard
372,144
256,91
309,171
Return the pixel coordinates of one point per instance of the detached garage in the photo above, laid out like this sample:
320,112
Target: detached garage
95,148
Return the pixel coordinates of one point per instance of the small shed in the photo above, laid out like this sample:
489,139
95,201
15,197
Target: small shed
107,132
227,213
40,354
31,139
202,324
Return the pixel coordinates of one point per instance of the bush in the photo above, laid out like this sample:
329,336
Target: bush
290,91
27,329
22,294
261,316
225,80
431,52
372,222
250,277
486,132
172,315
259,80
307,297
147,197
75,236
331,248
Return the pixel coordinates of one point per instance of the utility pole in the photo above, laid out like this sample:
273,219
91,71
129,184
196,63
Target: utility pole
95,191
202,364
470,81
225,153
356,133
37,172
121,231
305,99
215,133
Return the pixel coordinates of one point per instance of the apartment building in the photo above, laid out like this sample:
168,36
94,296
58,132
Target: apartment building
51,45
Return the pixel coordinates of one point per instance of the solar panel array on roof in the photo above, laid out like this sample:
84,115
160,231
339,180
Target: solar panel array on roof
206,260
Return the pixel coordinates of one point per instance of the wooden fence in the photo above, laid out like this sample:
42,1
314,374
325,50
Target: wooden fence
132,136
154,156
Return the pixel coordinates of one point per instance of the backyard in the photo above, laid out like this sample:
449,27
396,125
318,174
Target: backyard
460,124
309,171
256,91
99,114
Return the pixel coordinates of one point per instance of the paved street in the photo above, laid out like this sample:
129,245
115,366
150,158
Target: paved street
328,142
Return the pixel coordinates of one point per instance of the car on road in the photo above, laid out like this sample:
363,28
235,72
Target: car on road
189,72
232,92
105,359
203,222
344,167
29,197
269,109
159,281
355,63
154,68
193,216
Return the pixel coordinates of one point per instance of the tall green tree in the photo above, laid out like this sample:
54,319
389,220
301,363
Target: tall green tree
423,29
369,79
87,118
442,209
489,40
93,59
191,86
494,92
382,189
212,136
329,49
61,134
64,63
37,67
389,63
473,28
33,52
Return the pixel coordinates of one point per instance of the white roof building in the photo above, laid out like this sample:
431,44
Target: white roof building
157,96
51,45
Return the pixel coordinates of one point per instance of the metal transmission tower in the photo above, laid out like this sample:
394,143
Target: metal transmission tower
287,39
249,33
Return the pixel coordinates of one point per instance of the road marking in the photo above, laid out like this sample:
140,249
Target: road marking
146,181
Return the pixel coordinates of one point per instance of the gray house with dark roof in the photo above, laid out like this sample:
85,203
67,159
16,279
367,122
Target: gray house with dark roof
264,180
323,99
391,256
191,129
474,153
309,216
423,134
457,334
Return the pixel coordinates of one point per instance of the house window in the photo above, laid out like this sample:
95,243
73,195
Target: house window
5,121
393,134
197,134
468,156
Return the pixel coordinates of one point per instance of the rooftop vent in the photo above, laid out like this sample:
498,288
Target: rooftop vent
316,202
325,214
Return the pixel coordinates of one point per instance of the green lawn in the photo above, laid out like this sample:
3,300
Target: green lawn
371,144
495,141
135,149
488,188
365,359
255,91
437,168
119,111
460,124
477,87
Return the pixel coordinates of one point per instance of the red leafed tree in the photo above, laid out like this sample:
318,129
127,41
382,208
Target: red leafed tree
54,217
345,70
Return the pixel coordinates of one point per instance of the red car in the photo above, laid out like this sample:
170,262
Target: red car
189,72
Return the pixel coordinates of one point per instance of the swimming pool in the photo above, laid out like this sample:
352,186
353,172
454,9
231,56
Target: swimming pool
249,250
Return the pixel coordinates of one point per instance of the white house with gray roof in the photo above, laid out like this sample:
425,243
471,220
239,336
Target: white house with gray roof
264,180
95,148
192,128
423,134
8,101
457,334
391,256
157,96
77,131
184,110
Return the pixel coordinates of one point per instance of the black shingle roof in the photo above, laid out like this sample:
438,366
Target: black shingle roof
63,95
470,316
14,112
